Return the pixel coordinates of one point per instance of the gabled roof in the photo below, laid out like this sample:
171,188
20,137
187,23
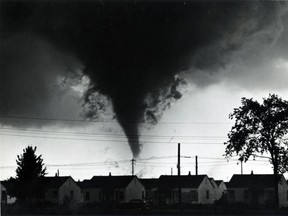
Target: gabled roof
252,181
7,183
213,183
149,183
110,182
218,182
54,182
190,181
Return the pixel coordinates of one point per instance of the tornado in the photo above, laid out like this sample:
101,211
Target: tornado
134,49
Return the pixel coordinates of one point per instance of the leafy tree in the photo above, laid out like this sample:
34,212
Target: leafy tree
261,129
30,169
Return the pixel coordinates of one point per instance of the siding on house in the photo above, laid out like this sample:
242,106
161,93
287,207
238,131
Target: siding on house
92,189
61,189
222,189
91,195
214,192
206,192
151,189
8,184
3,194
256,190
112,188
283,192
194,189
135,190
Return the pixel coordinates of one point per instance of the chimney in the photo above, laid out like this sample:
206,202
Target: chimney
58,172
252,172
109,173
189,174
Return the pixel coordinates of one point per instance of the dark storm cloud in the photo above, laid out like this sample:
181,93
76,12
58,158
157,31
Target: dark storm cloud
36,82
134,50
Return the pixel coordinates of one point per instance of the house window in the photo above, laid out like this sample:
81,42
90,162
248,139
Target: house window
174,195
194,195
156,194
246,194
87,195
231,194
121,195
270,194
71,194
55,194
207,194
116,195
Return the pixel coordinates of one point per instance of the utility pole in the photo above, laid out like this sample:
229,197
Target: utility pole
178,164
241,167
179,180
133,163
241,164
196,165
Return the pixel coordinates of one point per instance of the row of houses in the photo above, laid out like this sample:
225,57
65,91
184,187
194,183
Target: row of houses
195,189
257,190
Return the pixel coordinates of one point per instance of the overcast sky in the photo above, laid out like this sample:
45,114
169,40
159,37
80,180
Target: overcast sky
164,73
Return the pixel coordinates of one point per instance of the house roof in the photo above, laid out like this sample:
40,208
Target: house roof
218,182
45,182
251,181
213,182
190,181
110,182
9,185
149,183
2,185
54,182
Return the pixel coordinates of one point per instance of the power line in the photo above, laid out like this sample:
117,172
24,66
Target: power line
105,140
109,121
150,136
156,158
106,163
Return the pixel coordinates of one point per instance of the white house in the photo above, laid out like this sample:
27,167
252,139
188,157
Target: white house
256,190
214,192
222,189
195,189
3,194
112,188
61,189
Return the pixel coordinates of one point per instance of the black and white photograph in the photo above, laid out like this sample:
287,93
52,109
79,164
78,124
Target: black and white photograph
142,107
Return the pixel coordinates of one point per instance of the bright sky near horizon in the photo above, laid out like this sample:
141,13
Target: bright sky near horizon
93,148
45,108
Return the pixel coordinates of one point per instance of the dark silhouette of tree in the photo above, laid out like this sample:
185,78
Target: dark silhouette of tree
261,129
28,173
